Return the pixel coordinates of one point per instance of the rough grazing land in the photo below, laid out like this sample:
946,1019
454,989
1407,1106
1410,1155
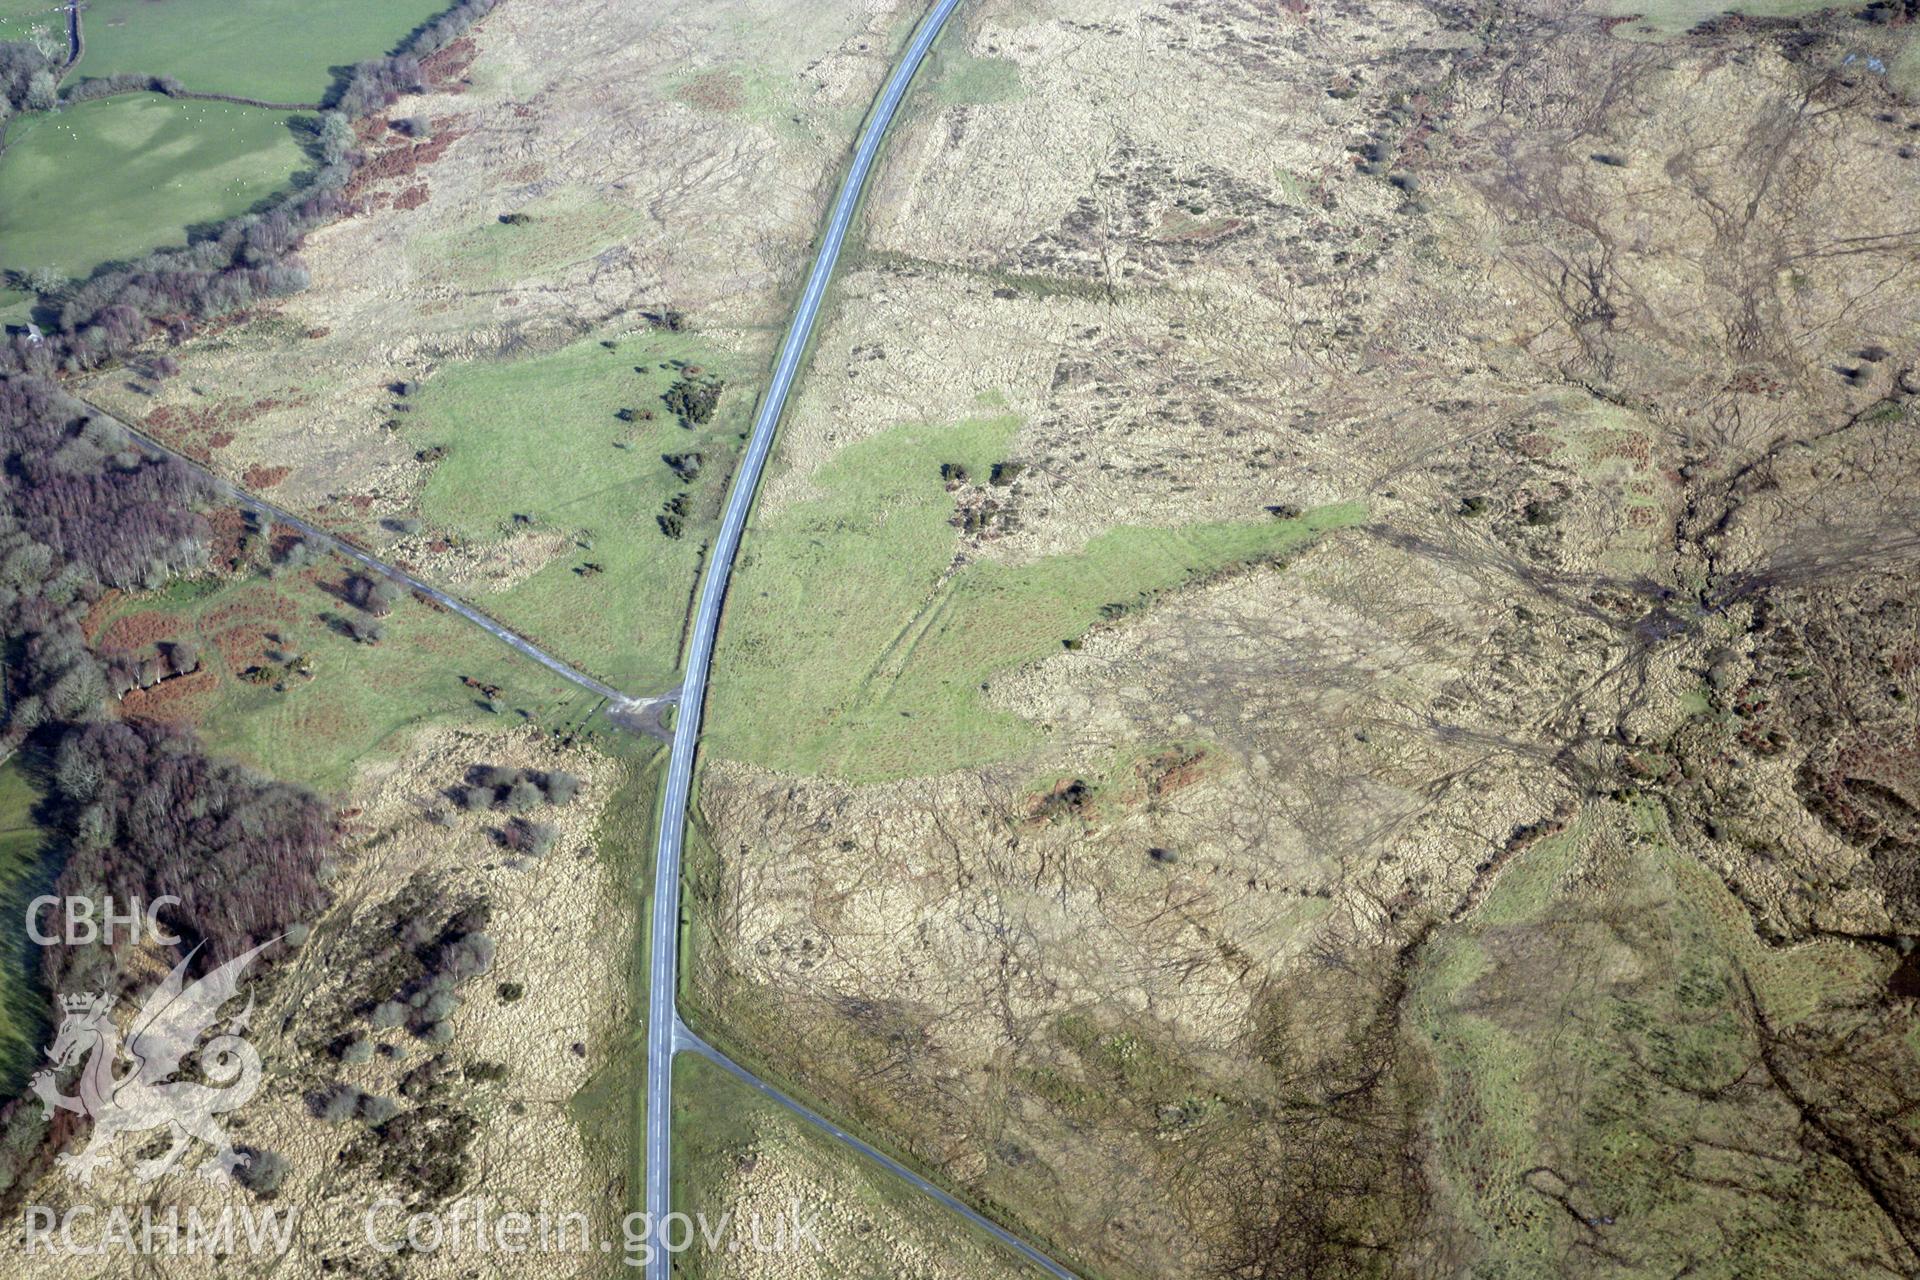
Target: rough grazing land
651,161
1513,883
283,685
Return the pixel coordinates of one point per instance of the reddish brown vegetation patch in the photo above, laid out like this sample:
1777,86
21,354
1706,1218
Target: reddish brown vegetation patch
714,91
449,64
1632,447
229,526
179,700
240,647
264,477
188,428
1171,771
99,614
412,198
132,631
401,161
261,609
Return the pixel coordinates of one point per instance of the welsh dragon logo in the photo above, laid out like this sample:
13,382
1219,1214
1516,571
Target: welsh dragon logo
144,1096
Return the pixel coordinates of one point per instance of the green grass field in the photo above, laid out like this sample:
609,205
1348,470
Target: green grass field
18,18
276,50
23,876
113,179
361,696
851,648
963,77
538,438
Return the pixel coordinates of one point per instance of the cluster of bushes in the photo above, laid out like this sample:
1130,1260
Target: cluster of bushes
444,961
510,790
279,668
362,630
420,1149
120,82
694,399
263,1173
673,516
422,1152
126,673
249,258
375,595
534,839
341,1102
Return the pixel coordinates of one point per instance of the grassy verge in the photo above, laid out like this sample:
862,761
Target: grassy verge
857,646
611,1110
538,445
24,874
738,1156
116,178
277,50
